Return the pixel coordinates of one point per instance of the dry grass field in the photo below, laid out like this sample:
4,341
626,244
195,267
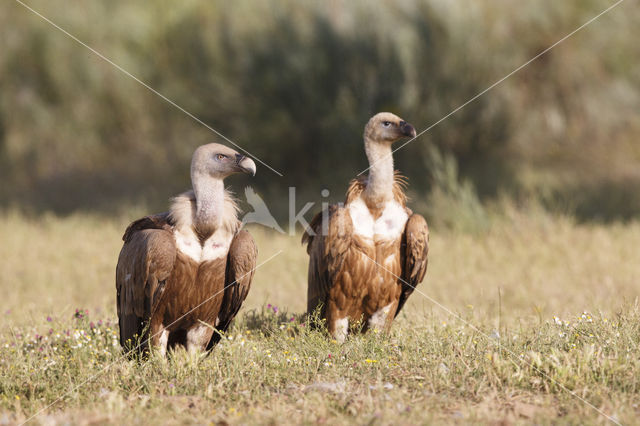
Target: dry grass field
511,320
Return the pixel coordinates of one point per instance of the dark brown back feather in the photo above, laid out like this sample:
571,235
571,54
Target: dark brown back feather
155,221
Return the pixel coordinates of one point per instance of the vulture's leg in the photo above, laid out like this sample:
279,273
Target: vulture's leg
160,341
341,329
158,336
381,319
393,308
198,337
337,322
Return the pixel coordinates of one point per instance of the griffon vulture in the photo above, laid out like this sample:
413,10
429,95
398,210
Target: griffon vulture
370,253
183,272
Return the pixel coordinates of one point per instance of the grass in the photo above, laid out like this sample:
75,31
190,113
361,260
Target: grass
539,303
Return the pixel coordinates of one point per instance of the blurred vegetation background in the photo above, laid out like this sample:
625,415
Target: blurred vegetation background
294,82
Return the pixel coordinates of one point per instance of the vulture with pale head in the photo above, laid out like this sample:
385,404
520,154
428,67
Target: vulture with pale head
367,255
183,273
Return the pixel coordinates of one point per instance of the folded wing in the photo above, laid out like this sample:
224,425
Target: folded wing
415,249
327,245
241,263
144,265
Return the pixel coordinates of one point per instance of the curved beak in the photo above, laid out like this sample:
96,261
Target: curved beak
245,164
407,129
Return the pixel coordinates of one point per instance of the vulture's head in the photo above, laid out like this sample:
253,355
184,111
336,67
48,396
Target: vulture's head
220,161
386,127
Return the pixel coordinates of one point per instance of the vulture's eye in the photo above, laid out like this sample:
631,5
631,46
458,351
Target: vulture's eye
386,123
221,156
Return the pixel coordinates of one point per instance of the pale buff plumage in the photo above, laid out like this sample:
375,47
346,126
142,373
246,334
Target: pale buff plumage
182,211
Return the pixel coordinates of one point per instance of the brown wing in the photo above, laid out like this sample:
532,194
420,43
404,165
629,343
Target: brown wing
415,248
241,263
145,263
154,221
327,246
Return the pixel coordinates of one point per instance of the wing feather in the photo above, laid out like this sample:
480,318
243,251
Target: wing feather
144,264
327,252
241,263
415,249
154,221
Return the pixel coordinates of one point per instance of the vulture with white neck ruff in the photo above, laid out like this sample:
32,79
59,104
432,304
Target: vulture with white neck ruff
369,254
184,272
